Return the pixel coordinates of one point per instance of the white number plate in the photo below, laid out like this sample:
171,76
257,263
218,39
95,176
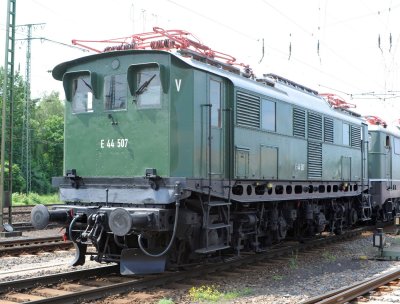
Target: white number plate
111,143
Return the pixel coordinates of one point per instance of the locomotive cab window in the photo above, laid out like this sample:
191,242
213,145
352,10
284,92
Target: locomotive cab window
387,142
115,92
369,141
82,92
396,142
147,92
215,101
346,134
268,113
147,82
80,89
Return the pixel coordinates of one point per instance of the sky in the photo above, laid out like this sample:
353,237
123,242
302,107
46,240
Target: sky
350,48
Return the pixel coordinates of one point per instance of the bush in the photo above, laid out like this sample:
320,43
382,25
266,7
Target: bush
212,294
20,199
166,301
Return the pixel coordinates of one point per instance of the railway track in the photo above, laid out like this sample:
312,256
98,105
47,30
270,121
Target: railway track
33,245
21,218
89,285
27,226
385,289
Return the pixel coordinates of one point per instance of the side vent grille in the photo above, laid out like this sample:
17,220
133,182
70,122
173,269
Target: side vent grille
355,137
314,159
299,123
247,110
314,126
328,130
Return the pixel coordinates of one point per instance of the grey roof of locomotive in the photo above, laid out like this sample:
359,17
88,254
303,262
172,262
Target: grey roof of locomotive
284,91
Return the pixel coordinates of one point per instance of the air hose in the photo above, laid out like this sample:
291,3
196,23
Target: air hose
177,204
71,226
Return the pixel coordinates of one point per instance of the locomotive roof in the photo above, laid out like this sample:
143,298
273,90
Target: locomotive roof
299,96
282,91
392,130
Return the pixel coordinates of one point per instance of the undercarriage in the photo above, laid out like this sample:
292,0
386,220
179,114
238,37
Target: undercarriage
175,226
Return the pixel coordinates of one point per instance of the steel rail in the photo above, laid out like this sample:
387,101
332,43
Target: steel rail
33,245
20,212
20,206
150,281
27,226
115,288
349,293
56,278
6,243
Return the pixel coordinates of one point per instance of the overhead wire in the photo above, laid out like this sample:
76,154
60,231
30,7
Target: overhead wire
284,53
289,52
326,46
243,34
320,44
319,31
348,62
371,95
356,17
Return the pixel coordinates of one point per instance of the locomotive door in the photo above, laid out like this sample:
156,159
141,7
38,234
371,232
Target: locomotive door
388,161
216,98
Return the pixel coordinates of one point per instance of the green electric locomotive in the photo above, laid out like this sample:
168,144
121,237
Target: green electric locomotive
174,153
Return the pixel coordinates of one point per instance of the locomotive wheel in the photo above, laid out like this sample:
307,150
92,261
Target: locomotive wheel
353,217
338,228
182,252
396,208
282,228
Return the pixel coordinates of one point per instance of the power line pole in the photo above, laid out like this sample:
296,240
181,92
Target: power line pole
8,97
26,134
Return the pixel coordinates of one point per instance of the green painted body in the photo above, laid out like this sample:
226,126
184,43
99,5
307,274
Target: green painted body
291,160
174,137
384,154
147,130
171,138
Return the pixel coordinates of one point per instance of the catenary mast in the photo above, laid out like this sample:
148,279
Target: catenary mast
8,98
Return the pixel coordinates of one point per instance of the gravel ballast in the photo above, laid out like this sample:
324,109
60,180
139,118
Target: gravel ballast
290,280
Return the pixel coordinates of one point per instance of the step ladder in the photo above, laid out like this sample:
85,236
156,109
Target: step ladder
222,226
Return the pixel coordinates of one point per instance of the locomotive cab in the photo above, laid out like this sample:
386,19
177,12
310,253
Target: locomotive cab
132,125
384,155
113,118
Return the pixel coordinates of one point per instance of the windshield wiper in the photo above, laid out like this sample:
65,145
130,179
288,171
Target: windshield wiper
145,84
88,85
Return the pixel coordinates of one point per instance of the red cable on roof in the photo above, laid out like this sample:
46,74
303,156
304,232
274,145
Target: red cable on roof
161,39
336,101
375,120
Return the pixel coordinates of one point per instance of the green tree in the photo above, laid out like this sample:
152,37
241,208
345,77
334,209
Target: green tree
48,137
18,179
17,126
46,133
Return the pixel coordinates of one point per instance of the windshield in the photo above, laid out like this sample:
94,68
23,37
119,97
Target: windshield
115,92
148,92
82,99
